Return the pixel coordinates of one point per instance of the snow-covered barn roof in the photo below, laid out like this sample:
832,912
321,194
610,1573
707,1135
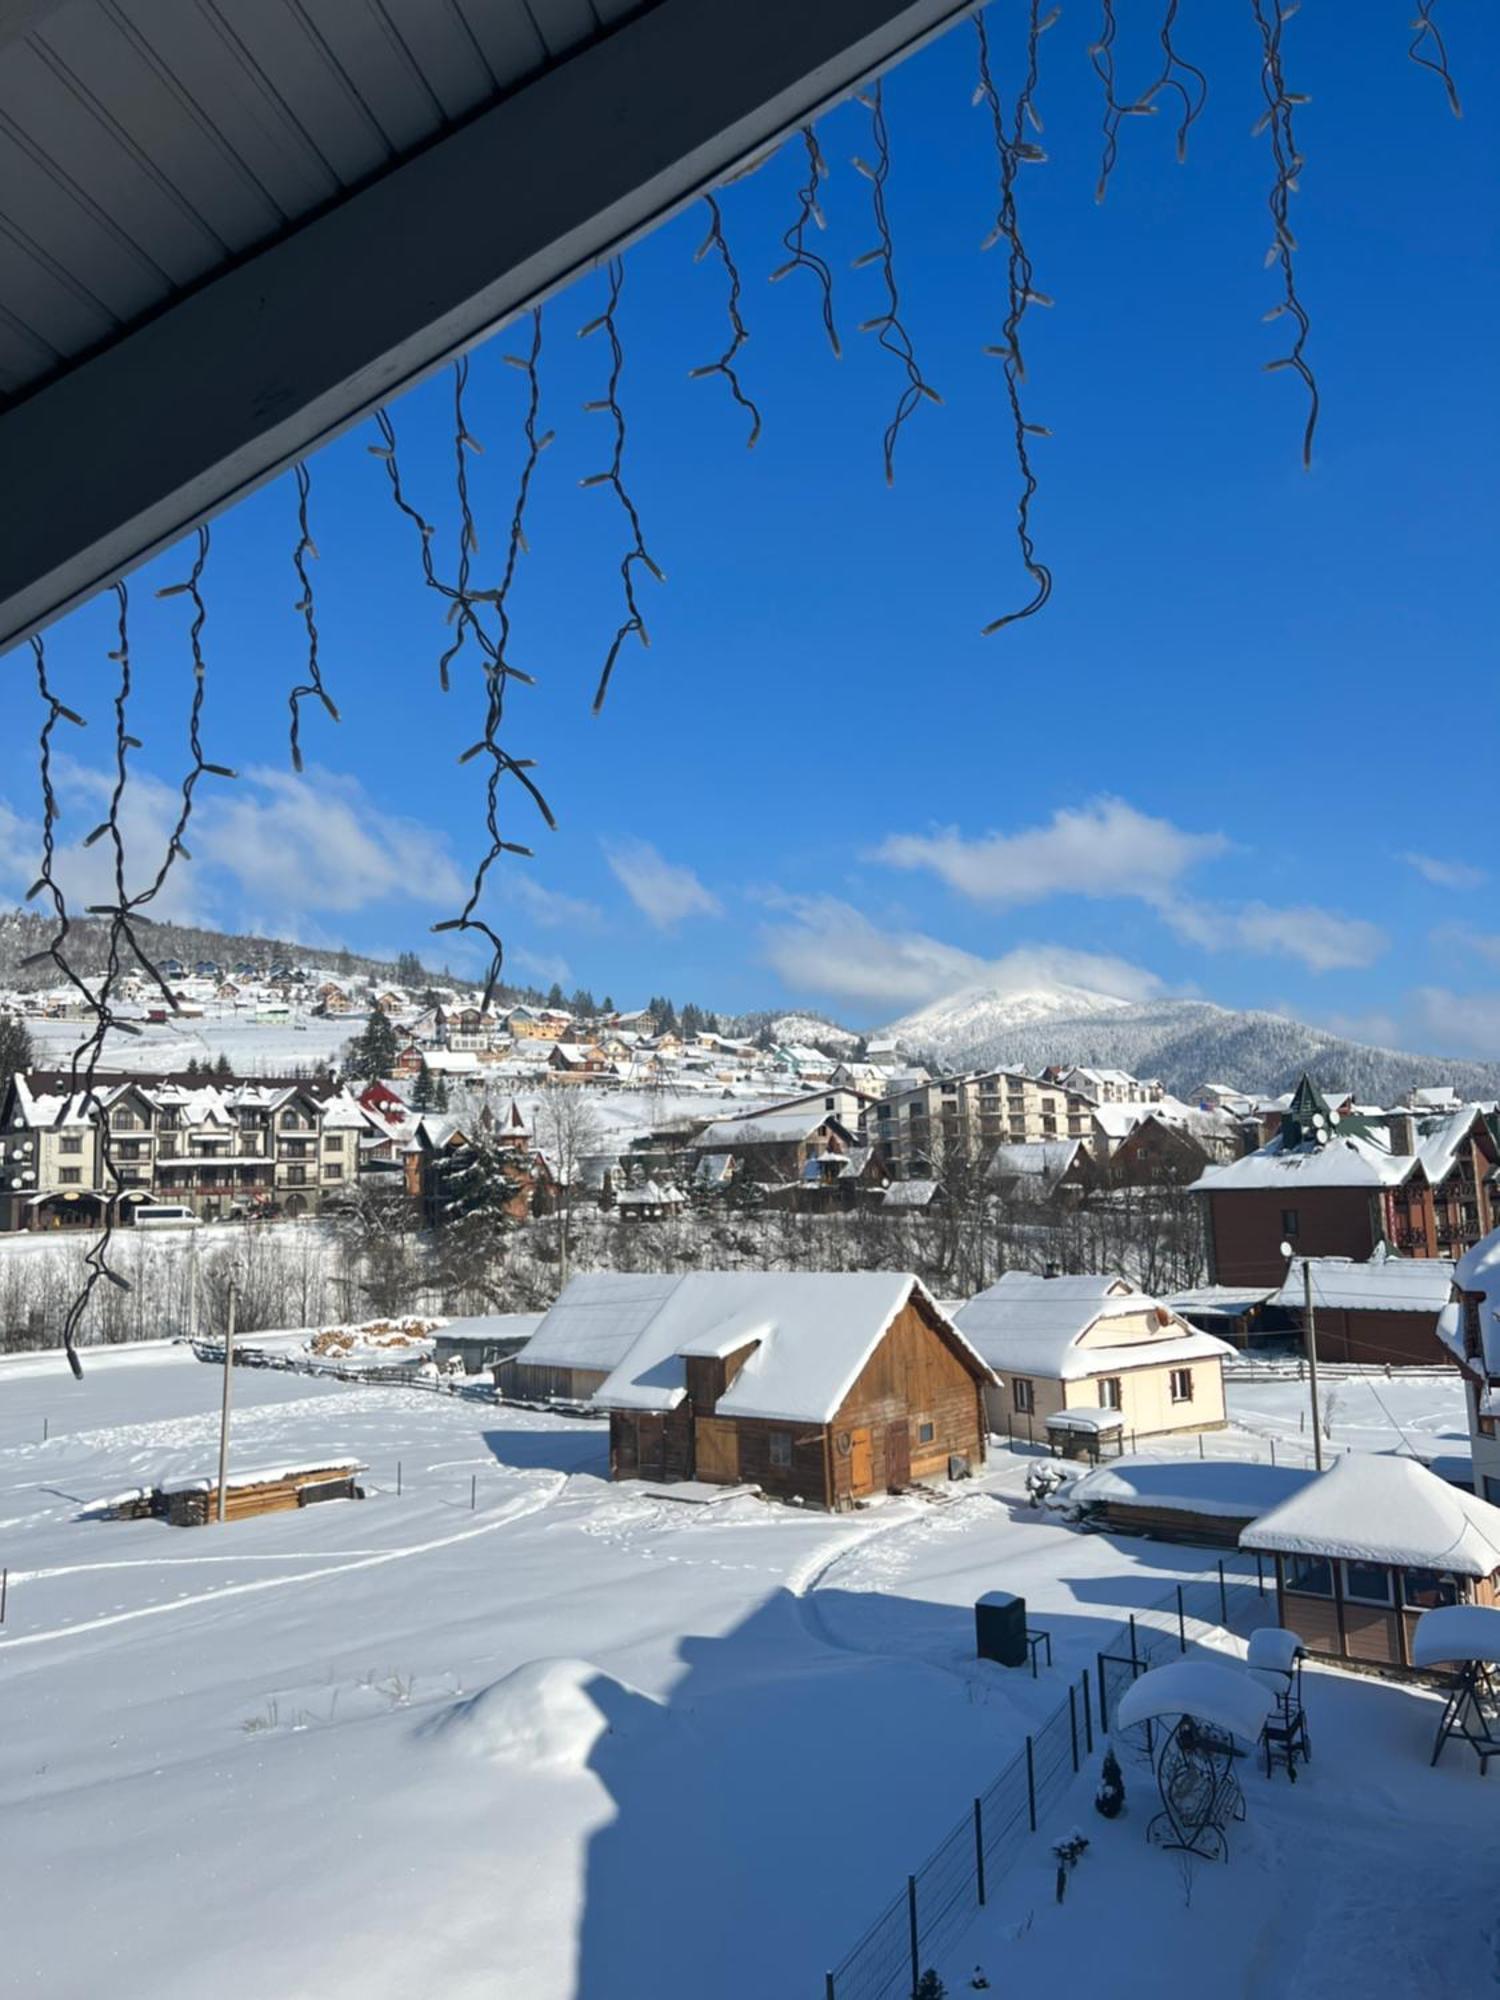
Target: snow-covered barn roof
1352,1161
812,1331
1378,1509
1384,1284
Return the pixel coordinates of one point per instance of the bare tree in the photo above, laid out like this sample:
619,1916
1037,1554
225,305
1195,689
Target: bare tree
568,1131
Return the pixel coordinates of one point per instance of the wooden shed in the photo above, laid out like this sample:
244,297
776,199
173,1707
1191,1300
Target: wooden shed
1204,1502
583,1336
1362,1551
824,1387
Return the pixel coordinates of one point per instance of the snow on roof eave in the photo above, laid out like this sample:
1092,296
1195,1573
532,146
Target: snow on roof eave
1385,1510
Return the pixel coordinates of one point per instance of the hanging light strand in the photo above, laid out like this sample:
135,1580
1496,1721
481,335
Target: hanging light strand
799,257
637,554
888,326
306,547
1177,76
386,452
1429,51
717,243
498,668
1013,149
1277,120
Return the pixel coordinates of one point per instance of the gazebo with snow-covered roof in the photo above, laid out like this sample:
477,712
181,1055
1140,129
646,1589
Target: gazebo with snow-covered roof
1362,1552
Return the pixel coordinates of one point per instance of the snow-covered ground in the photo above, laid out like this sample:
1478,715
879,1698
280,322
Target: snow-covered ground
581,1740
1413,1410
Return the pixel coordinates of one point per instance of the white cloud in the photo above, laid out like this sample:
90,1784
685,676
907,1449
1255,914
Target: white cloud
272,843
1376,1029
831,948
1322,940
663,891
1459,1024
1105,848
541,968
1484,944
1446,874
549,908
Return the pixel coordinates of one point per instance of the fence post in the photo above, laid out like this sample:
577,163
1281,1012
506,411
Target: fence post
1181,1622
1134,1661
398,1479
1200,1444
45,1422
1260,1574
1030,1784
474,1495
828,1992
1088,1713
1223,1596
4,1592
1273,1451
979,1847
911,1913
1103,1702
1073,1723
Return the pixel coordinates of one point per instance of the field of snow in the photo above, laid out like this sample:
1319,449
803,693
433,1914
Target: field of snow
516,1731
1414,1411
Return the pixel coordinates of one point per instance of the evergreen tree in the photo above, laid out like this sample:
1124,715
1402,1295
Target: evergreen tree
16,1051
477,1186
372,1054
191,1067
711,1023
930,1987
409,971
582,1003
424,1093
440,1093
223,1068
606,1005
554,996
692,1020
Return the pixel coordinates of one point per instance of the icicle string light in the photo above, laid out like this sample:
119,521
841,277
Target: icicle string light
498,669
888,326
385,451
799,257
306,605
1177,76
1277,119
717,243
1429,51
613,477
1013,149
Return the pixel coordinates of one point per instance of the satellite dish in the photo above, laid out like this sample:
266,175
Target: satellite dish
1319,1120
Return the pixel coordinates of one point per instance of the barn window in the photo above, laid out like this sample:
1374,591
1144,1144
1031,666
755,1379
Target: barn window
1110,1397
1312,1576
1425,1589
926,1433
1291,1222
781,1448
1368,1583
1182,1385
1023,1394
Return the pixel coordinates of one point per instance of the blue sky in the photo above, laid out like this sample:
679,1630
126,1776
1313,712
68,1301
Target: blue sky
1245,752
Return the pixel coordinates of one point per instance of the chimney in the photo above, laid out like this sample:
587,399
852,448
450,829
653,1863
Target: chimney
1403,1130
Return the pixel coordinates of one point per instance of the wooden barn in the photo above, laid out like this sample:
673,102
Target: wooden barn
824,1387
583,1337
1380,1314
1362,1551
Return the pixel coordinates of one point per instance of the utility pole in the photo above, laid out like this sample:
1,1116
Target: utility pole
1310,1323
193,1285
224,1413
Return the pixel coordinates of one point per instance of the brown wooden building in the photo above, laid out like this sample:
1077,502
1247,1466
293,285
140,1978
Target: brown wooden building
1379,1314
818,1386
1364,1550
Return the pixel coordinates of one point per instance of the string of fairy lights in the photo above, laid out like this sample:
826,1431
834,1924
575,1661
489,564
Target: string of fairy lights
478,613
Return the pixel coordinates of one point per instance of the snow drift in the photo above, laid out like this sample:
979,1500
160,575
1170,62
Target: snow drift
547,1715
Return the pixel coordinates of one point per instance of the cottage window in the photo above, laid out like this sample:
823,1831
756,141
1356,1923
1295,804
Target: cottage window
1426,1589
70,1176
70,1142
1023,1394
1182,1385
926,1433
1110,1397
1368,1583
1291,1222
1311,1576
781,1449
331,1142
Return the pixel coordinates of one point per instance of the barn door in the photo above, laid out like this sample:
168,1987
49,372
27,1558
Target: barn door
718,1443
897,1455
861,1476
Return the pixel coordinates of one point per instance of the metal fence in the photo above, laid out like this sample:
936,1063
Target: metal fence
939,1901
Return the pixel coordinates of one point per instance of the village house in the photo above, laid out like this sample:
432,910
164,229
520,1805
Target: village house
1338,1183
219,1148
1469,1329
1093,1344
821,1387
777,1143
1362,1551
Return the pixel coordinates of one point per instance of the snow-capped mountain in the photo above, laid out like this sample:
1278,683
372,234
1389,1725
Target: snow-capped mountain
1186,1043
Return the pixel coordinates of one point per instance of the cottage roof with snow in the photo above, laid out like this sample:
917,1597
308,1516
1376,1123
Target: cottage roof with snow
1069,1328
1377,1509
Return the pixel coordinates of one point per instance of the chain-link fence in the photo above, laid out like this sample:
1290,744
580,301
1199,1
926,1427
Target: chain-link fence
920,1925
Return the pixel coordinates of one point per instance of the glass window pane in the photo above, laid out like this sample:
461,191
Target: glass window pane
1367,1583
1312,1575
1428,1588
